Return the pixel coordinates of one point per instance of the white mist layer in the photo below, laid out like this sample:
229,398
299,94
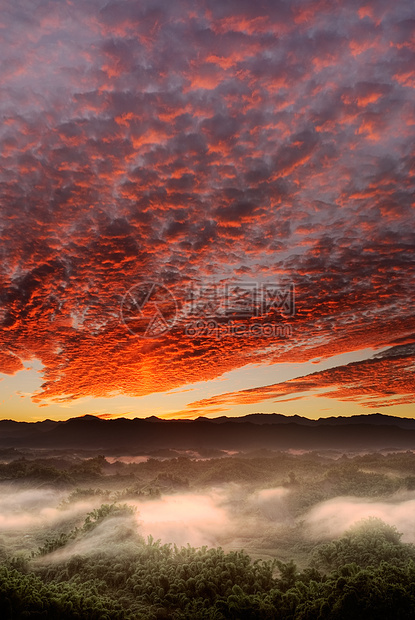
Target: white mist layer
231,516
111,536
332,518
27,509
186,518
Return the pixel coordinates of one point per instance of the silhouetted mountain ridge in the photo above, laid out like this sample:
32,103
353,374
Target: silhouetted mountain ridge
279,418
251,432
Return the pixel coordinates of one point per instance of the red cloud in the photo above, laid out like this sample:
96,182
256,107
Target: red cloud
175,144
395,384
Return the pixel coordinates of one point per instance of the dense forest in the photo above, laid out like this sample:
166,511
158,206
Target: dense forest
90,538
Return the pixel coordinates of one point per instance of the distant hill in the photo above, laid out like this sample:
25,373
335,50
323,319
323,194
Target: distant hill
252,432
279,418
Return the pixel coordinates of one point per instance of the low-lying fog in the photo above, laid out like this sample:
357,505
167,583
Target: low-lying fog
330,519
231,516
25,509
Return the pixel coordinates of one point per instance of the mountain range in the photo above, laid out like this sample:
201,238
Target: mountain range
251,432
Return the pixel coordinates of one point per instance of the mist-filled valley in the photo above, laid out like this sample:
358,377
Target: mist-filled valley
254,535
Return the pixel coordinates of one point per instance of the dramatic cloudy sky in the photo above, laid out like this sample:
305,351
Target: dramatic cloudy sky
239,154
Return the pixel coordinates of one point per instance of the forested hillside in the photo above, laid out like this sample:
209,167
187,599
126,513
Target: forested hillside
287,537
368,573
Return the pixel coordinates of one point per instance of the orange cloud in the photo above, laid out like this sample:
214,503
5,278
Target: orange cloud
248,142
394,370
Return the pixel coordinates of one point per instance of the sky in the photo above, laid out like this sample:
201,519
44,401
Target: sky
207,208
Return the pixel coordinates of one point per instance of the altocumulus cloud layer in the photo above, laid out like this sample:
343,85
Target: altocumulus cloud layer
183,142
